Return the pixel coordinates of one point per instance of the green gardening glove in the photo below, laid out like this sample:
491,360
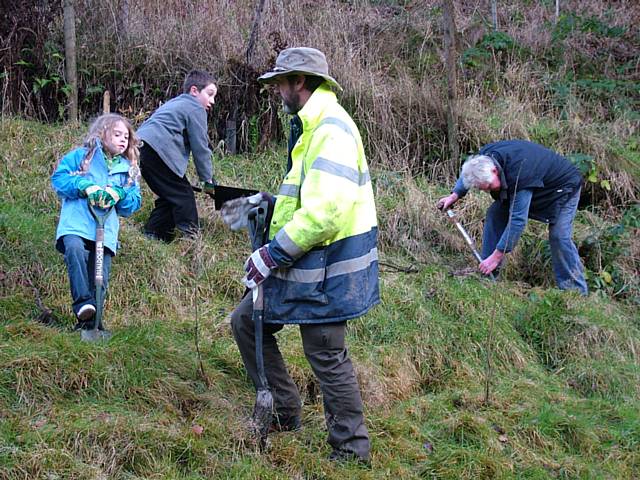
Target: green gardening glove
94,193
112,195
209,188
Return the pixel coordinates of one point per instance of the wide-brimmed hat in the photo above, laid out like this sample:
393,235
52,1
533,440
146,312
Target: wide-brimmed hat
300,61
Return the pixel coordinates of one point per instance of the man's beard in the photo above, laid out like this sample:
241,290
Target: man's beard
292,106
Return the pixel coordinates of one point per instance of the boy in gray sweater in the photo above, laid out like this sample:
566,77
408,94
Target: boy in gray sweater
173,132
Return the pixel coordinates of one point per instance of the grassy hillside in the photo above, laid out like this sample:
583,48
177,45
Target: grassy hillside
564,380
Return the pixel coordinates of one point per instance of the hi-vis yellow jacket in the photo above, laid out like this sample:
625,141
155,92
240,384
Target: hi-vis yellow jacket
324,228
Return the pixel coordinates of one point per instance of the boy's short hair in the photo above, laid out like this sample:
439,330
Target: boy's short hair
197,78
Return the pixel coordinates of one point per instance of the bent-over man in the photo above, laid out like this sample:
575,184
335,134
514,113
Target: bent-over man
526,180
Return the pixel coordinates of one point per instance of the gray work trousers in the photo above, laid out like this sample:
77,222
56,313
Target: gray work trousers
326,353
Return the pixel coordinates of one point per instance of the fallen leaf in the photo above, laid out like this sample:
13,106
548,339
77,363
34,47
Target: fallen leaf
103,417
197,429
39,423
503,438
498,428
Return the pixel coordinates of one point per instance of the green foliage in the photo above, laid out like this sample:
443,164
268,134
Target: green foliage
491,44
544,132
589,169
604,247
588,76
572,341
571,22
254,133
541,325
629,154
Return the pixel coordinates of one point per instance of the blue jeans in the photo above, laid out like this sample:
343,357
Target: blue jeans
79,256
567,266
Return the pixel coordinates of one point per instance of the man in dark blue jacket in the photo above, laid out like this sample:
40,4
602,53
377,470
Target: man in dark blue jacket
526,180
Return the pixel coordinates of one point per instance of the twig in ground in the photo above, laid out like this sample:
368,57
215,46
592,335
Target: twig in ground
398,268
46,315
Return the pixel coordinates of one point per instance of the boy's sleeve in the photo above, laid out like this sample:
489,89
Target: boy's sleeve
199,142
65,181
131,201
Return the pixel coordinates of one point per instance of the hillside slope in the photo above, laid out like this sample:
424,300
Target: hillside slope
564,380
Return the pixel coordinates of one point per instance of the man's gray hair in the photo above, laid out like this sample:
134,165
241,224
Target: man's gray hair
477,171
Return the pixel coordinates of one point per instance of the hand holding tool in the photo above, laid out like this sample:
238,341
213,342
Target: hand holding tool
452,216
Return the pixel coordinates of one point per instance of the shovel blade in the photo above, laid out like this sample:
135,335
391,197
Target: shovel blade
263,415
95,335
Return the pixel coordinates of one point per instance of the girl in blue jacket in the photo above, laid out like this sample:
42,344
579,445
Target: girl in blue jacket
105,173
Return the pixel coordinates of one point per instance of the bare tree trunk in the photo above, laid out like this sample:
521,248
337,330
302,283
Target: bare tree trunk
231,128
557,10
494,14
254,30
450,49
70,58
125,16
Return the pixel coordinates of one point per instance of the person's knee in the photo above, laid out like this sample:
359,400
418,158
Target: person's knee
558,236
236,323
241,324
332,366
73,247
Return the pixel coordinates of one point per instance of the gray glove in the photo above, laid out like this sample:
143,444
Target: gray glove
235,212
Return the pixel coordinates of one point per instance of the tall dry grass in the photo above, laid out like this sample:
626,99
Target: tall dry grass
387,55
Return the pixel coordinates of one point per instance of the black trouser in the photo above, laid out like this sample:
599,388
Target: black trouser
175,207
326,353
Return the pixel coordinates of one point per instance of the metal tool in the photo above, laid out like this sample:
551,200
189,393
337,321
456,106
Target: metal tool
95,334
488,368
223,193
452,216
263,408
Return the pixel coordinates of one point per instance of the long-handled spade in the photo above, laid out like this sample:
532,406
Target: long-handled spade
95,334
263,408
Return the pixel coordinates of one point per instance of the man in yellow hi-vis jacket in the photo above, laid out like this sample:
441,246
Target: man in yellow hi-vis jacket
320,265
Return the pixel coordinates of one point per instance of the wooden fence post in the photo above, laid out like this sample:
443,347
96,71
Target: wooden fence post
106,102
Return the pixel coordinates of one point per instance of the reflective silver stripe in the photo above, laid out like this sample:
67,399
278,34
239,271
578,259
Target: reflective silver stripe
334,168
299,275
288,245
353,264
316,275
289,190
344,126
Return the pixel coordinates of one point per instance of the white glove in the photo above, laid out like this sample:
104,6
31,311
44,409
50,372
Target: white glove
235,212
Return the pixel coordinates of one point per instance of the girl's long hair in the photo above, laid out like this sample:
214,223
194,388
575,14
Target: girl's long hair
98,133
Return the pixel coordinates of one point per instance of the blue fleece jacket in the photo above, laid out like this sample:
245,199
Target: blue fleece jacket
75,217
